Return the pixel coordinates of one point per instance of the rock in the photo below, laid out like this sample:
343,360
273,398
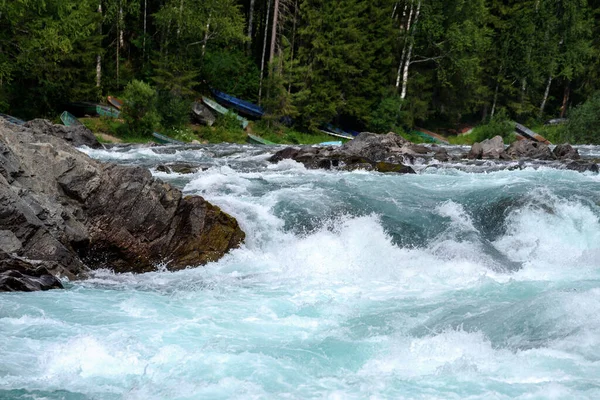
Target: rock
386,167
373,146
489,149
19,275
530,149
582,166
75,135
286,154
75,213
180,168
566,152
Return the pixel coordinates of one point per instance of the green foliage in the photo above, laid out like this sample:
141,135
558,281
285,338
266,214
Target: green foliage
232,72
140,108
174,111
387,115
499,125
584,123
229,122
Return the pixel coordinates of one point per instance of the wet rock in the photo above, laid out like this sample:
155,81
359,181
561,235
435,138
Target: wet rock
69,209
530,149
289,153
583,166
386,167
566,152
75,135
180,168
488,149
373,146
19,275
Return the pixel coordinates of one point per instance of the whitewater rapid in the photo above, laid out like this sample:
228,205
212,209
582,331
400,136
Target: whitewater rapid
351,285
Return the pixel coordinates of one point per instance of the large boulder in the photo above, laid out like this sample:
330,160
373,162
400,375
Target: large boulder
375,147
488,149
59,206
566,152
530,149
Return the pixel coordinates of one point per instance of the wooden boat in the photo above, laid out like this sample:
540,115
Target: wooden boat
202,114
69,119
424,133
258,140
165,139
213,105
244,107
12,120
529,134
105,111
116,103
347,137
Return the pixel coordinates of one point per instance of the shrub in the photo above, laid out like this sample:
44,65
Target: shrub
174,111
499,125
139,108
584,123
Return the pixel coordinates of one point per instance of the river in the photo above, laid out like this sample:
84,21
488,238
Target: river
447,284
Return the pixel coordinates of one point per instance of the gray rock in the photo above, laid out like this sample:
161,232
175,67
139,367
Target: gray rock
75,135
375,147
582,166
488,149
60,207
566,152
20,275
530,149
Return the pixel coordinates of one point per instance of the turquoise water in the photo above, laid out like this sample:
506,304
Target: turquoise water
442,285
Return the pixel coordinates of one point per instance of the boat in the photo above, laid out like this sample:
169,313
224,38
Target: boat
425,134
213,105
258,140
335,143
116,103
341,132
83,108
202,114
12,120
243,106
165,139
69,119
337,135
529,134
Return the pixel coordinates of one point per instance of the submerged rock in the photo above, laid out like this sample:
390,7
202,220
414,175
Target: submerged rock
61,207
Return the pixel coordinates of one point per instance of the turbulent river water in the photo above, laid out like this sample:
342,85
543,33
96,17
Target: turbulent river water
447,284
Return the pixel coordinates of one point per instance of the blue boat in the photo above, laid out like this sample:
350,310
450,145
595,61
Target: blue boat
341,132
162,139
244,107
335,144
12,120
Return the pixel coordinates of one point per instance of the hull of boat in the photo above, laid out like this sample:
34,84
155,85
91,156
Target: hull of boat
529,134
213,105
12,120
69,119
116,103
424,133
165,139
258,140
242,106
337,135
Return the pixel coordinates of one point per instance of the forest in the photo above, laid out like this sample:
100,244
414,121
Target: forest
372,65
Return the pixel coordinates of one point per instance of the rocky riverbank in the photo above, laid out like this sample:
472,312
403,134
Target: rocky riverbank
392,153
64,214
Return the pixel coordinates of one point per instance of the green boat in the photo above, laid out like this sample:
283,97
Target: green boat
258,140
69,119
165,139
83,108
222,110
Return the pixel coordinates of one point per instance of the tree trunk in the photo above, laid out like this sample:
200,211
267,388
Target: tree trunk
409,55
274,32
566,95
181,19
407,33
495,99
250,22
205,41
546,94
99,57
145,29
293,44
264,51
